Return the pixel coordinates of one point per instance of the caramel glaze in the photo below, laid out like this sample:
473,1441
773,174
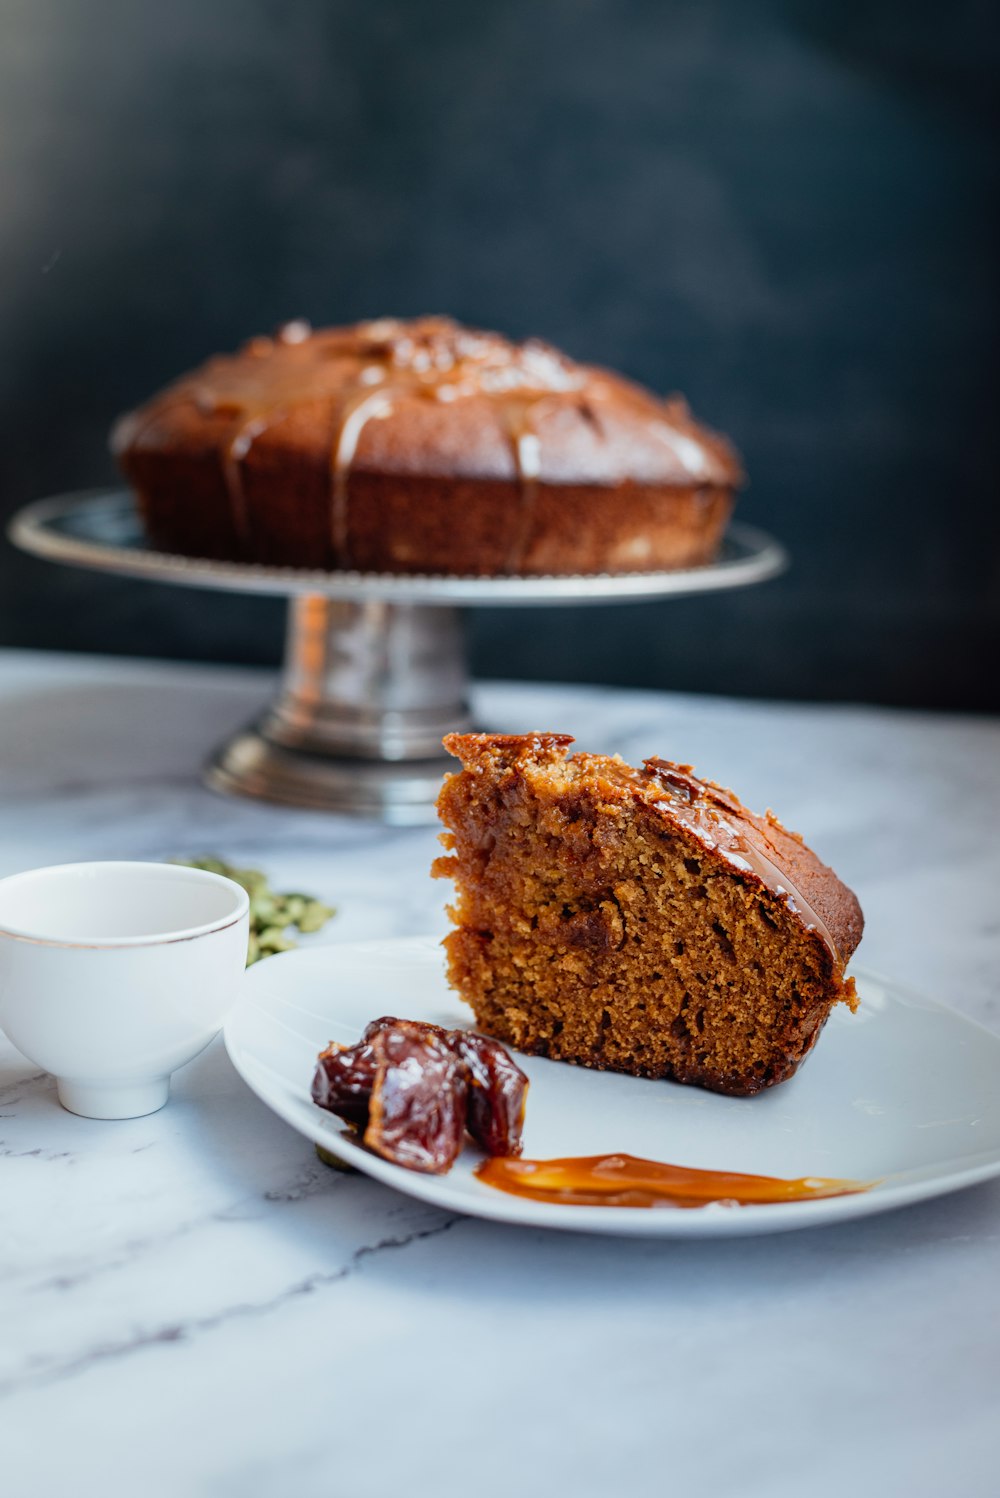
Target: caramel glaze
627,1181
360,373
702,807
721,823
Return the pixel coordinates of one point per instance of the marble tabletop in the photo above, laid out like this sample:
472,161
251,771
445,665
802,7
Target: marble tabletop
191,1304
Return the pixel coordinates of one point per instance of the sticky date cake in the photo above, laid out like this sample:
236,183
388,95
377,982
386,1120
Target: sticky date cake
638,920
424,446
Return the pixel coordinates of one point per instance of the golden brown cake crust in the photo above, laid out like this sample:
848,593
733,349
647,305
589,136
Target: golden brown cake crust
639,920
424,446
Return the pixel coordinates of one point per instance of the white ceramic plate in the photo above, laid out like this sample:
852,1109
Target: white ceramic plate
905,1092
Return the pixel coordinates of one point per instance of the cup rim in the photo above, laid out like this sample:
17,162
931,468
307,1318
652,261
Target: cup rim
110,943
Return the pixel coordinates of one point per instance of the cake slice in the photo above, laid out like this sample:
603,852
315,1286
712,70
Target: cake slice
640,921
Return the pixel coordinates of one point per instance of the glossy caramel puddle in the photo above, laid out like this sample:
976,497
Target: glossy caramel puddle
627,1181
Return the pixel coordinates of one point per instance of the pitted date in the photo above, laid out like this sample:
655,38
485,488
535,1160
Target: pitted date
343,1082
416,1114
497,1093
412,1089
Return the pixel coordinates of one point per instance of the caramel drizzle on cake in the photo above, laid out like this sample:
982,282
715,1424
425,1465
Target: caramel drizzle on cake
360,374
701,806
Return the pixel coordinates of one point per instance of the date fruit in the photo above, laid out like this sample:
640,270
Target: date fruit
413,1089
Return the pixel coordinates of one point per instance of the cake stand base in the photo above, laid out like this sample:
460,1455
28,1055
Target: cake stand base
400,795
368,690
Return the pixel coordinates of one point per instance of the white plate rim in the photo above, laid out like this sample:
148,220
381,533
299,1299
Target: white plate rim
496,1206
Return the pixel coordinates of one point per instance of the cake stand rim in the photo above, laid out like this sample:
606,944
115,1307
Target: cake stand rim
34,529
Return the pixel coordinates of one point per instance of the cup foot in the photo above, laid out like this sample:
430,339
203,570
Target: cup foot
114,1099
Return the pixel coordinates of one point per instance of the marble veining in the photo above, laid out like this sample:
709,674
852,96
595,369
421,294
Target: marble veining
191,1304
190,1329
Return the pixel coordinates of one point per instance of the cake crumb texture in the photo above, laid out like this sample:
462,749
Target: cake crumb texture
636,920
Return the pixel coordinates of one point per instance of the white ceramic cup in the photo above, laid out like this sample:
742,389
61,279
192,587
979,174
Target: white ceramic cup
112,975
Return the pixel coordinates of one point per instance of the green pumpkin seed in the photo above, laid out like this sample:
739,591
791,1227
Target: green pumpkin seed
272,914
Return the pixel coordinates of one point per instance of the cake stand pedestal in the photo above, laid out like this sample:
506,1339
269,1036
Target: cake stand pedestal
375,668
367,692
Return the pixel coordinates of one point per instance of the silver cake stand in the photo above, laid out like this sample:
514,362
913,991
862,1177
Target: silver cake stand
375,669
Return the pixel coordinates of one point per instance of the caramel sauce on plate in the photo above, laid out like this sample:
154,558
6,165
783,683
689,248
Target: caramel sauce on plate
627,1181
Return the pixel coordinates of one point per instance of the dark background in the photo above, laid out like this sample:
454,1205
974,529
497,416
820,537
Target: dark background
786,210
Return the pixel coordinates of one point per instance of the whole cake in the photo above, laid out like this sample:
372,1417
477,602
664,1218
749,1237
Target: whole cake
642,921
424,446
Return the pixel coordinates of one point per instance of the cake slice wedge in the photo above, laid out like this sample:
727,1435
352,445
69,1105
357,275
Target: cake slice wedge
636,920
